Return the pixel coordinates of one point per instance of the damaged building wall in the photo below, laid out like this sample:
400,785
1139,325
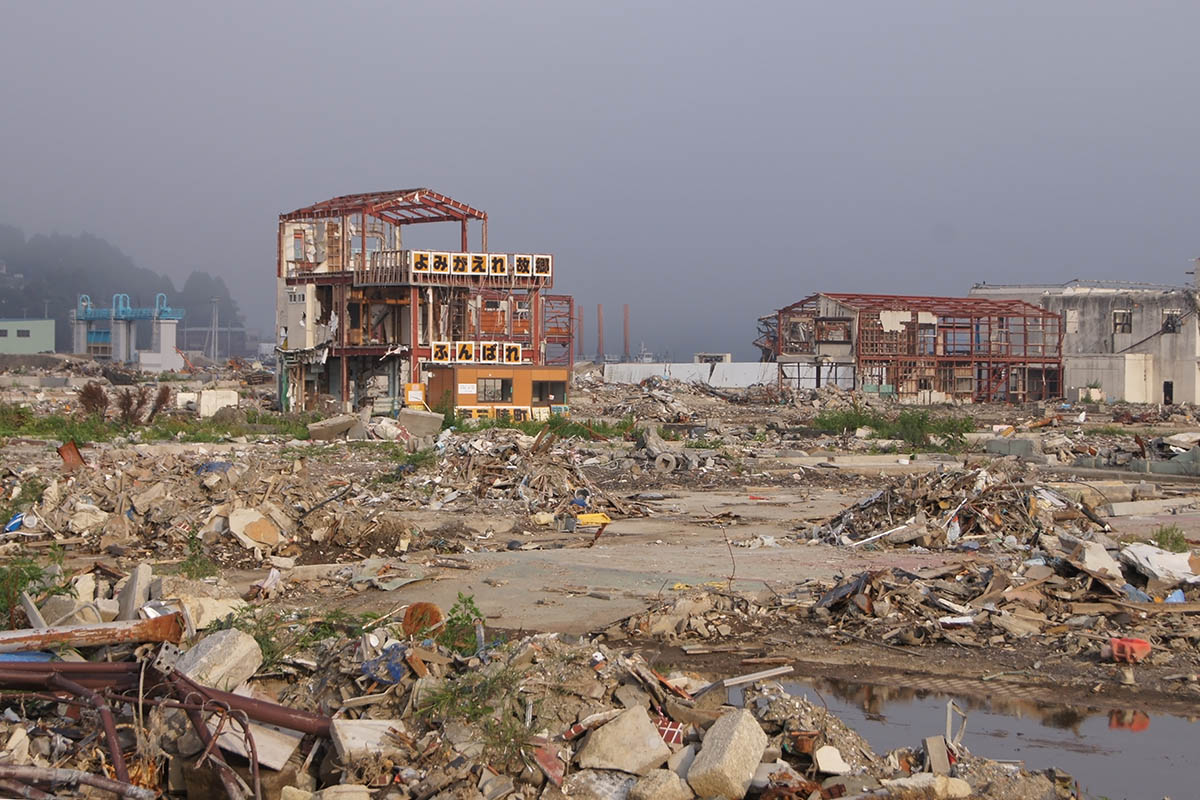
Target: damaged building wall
1135,342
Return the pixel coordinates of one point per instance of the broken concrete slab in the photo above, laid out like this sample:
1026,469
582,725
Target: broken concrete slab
629,743
599,784
420,423
681,760
222,660
660,784
204,603
1166,568
149,498
829,761
328,429
135,592
250,525
366,738
731,751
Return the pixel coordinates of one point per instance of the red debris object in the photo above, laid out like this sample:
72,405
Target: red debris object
72,458
1129,720
670,731
421,617
1130,651
548,761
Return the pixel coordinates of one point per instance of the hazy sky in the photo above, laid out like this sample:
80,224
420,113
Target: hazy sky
704,162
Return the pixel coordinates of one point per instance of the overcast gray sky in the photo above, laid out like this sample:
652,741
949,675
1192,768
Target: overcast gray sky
704,162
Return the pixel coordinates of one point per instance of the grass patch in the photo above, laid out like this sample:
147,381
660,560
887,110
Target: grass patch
1170,537
487,699
913,427
19,421
563,427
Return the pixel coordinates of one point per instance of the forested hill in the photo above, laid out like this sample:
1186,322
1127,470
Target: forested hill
54,270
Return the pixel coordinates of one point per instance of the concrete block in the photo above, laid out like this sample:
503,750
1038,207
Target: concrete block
1012,446
730,753
213,400
629,743
187,400
205,603
355,739
222,660
135,592
328,429
420,423
345,791
598,784
660,784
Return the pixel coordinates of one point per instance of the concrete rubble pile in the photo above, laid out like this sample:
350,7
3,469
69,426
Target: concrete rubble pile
421,704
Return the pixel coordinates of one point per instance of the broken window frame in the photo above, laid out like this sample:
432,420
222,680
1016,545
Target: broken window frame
1123,320
832,330
1172,320
493,390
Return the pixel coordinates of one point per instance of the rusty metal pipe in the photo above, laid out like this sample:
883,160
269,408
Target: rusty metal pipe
261,710
17,789
167,628
74,777
106,719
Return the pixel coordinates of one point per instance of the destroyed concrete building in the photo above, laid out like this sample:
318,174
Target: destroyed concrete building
1137,342
359,316
917,349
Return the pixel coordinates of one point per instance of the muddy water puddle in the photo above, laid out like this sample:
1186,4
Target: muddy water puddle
1117,754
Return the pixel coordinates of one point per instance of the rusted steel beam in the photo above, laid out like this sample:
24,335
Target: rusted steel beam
168,628
74,777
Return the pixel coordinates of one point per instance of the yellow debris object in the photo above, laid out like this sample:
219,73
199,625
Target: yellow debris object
598,518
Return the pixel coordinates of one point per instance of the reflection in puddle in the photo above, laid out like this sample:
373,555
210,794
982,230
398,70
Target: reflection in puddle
1157,757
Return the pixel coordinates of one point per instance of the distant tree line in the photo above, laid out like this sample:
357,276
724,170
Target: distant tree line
56,269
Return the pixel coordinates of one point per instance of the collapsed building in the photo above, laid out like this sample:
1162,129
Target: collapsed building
365,320
917,349
1137,342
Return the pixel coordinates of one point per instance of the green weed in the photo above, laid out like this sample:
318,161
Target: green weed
197,565
280,633
458,631
23,573
1170,537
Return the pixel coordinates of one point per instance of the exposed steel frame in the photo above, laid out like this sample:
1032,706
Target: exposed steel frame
415,206
979,348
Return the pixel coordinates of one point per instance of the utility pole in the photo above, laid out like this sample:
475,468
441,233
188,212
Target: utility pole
214,330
